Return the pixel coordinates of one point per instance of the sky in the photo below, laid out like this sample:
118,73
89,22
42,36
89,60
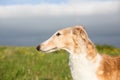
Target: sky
30,22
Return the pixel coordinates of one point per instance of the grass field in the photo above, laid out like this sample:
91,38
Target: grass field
25,63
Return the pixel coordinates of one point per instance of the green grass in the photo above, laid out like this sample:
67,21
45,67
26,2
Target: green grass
25,63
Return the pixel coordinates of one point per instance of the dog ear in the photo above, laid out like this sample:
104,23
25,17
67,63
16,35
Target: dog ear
79,31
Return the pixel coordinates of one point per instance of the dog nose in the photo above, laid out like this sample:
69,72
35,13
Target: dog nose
38,47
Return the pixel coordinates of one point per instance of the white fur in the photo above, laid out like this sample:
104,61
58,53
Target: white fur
82,68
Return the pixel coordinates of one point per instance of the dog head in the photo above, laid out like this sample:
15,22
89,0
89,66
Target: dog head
72,39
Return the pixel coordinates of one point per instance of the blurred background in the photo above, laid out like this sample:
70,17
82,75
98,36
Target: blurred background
30,22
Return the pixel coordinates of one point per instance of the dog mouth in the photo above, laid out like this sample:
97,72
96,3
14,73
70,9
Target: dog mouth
50,50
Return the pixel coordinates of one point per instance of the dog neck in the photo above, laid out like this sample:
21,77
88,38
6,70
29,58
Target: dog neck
84,61
83,68
87,49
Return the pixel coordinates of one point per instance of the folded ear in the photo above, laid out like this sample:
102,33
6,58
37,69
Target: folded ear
80,32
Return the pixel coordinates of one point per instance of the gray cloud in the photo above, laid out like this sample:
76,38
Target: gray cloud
31,31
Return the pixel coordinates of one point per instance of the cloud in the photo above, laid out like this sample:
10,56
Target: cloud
47,9
29,24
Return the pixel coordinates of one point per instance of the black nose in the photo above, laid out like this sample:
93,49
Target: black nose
38,47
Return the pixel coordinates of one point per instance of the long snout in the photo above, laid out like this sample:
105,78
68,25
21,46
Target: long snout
47,46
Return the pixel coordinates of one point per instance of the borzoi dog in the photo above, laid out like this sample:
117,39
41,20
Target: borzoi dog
84,61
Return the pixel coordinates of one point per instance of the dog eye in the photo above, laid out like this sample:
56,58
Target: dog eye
58,34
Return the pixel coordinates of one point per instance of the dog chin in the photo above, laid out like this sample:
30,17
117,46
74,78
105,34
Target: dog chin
50,50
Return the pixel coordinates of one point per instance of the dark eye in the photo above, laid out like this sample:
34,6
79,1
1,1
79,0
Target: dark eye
58,34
